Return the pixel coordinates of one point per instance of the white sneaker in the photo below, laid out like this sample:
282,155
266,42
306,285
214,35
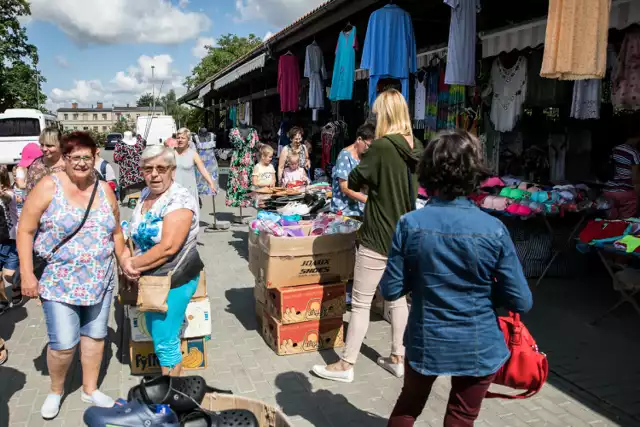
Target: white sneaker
98,398
397,369
51,406
341,376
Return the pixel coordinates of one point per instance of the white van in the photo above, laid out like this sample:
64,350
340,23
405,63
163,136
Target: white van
19,127
155,129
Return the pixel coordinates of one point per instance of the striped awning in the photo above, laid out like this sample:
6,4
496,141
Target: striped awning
235,74
623,14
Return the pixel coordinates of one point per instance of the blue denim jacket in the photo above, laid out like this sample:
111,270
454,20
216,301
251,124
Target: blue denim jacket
447,255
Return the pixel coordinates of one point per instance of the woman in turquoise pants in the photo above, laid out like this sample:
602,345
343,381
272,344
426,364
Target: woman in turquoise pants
160,249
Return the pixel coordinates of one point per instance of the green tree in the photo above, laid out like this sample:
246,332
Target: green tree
20,82
229,48
146,100
122,126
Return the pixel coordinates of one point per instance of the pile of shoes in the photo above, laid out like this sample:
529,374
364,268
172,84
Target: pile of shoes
168,402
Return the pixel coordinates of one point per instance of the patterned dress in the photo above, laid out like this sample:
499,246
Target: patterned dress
83,270
241,168
128,158
39,170
206,150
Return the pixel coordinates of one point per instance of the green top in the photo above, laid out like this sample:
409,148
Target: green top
383,169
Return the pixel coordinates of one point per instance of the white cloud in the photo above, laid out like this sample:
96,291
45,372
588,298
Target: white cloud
278,13
200,49
125,87
121,21
62,61
183,3
267,36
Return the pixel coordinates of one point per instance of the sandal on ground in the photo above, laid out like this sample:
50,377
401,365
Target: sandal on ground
133,413
17,299
182,394
4,353
229,418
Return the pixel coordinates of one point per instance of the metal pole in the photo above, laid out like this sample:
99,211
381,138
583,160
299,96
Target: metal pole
153,88
37,91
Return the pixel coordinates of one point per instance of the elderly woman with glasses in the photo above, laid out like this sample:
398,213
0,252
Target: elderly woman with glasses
77,283
158,249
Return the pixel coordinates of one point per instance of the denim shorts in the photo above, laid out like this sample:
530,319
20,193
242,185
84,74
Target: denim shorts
67,323
8,256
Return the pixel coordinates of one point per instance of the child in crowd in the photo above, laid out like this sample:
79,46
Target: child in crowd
264,174
8,227
294,173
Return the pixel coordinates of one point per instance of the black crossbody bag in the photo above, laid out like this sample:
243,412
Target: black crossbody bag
40,263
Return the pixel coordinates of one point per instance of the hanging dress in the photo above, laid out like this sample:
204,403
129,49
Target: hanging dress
241,168
626,78
344,69
206,150
509,87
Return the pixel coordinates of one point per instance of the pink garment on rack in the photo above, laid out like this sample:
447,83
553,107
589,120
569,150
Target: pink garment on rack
288,83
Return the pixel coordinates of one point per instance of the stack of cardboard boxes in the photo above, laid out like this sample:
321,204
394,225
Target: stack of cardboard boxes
300,288
196,331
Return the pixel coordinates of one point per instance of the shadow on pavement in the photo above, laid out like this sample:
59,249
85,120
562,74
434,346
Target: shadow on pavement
241,244
242,305
594,364
12,382
9,321
296,398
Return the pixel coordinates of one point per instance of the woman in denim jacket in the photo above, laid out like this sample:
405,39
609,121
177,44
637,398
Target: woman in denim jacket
460,265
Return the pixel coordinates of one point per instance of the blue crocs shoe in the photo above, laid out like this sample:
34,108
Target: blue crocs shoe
134,414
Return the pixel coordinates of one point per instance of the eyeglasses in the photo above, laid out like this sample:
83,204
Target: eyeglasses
76,160
148,170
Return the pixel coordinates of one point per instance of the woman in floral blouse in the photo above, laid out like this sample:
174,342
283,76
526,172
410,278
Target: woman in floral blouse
51,160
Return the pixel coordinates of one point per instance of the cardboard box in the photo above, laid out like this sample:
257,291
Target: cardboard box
197,322
260,292
143,359
293,261
303,337
308,302
259,314
201,291
267,416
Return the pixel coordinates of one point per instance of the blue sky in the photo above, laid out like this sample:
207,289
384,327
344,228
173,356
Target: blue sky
102,50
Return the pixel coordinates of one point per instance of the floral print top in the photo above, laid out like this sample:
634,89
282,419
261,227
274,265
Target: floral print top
83,269
39,170
146,228
128,158
241,167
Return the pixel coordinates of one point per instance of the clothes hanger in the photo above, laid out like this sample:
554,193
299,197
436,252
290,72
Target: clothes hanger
288,53
347,27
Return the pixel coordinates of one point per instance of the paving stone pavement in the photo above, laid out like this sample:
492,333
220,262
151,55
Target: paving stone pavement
239,360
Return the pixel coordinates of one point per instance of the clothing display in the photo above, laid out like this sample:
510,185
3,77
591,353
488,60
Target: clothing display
316,72
419,109
288,82
389,49
247,113
626,77
128,159
575,46
233,115
333,135
443,102
344,68
587,96
244,142
431,108
558,147
543,92
509,87
206,145
461,61
186,171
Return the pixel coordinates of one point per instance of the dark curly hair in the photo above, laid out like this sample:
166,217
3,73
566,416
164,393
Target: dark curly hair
452,165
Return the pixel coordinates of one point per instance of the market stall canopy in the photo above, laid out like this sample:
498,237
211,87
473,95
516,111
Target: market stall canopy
623,14
235,74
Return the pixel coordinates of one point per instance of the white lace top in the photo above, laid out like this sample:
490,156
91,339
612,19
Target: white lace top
586,99
509,87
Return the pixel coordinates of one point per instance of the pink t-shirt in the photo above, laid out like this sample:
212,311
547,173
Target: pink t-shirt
293,175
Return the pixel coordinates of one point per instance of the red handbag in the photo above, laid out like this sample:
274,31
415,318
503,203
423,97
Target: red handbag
527,368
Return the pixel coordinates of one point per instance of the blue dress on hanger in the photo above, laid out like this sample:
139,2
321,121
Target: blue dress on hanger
389,49
344,69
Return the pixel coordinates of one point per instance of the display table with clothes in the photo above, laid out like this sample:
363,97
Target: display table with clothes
510,198
613,241
306,200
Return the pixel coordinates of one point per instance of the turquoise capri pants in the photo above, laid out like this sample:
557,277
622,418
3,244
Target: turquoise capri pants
165,327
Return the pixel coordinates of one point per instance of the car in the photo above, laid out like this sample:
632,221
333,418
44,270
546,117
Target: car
112,140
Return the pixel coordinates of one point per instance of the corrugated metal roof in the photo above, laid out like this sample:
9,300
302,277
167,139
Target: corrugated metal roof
318,11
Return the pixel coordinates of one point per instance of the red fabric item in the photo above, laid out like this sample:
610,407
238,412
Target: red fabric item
624,204
527,368
112,185
327,143
597,230
288,83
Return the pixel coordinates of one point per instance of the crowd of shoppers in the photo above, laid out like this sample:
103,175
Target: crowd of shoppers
458,263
